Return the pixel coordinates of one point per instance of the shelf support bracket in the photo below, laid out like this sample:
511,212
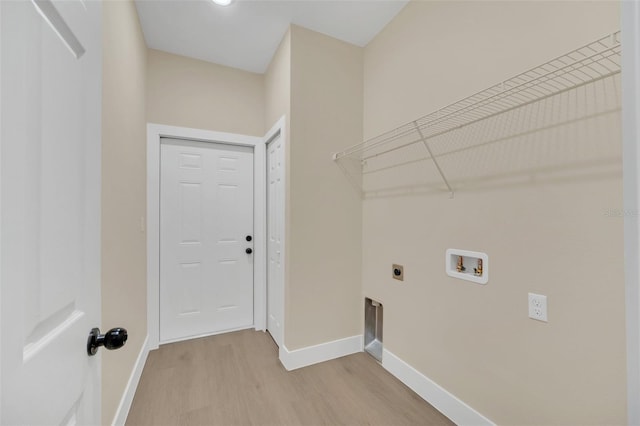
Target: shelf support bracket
433,158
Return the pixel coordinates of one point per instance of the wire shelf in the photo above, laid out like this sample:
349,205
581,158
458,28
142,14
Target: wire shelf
592,62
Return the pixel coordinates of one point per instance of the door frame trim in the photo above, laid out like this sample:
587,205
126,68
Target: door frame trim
278,129
154,133
1,283
630,11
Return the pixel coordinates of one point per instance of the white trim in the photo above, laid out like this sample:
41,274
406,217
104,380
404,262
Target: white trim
631,183
215,333
292,360
1,66
277,129
445,402
122,412
154,133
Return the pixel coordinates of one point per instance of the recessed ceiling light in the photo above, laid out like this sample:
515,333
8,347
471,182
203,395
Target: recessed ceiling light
223,2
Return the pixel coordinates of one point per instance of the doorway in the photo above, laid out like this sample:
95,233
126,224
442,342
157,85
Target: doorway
181,135
206,238
275,237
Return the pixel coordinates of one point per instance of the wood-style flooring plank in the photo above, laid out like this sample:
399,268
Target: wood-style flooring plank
237,379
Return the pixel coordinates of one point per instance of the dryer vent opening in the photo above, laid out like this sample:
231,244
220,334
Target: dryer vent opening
373,328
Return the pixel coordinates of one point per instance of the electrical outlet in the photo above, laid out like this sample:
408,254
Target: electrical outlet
397,272
538,307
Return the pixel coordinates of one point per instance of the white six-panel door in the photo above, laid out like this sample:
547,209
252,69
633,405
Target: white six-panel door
50,186
275,238
206,215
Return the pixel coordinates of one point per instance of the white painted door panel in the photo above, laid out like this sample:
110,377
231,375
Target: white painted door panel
50,192
275,238
206,213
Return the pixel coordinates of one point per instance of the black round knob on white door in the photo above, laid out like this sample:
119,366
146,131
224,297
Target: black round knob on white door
249,238
248,251
112,339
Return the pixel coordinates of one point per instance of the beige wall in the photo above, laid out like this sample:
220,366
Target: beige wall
124,291
547,234
326,77
544,232
277,84
191,93
323,291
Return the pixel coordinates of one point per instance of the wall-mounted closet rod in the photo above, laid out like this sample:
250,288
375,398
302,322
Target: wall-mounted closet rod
560,74
520,90
504,138
460,126
540,79
590,63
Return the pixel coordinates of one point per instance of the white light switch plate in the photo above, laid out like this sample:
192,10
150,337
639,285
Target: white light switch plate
538,307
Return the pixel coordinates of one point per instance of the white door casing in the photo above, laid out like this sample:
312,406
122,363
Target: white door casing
630,14
275,237
206,215
50,186
154,134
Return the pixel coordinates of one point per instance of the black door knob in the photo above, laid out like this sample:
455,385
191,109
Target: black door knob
248,251
112,339
249,238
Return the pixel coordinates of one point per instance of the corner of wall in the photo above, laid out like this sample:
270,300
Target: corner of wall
325,215
475,338
292,360
120,416
124,301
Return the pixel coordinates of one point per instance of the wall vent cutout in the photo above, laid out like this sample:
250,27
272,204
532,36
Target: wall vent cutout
373,328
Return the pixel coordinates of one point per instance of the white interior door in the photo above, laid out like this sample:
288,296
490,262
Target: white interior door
206,238
275,238
50,197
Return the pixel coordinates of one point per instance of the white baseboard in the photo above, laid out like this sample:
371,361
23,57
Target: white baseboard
199,336
449,405
319,353
445,402
129,392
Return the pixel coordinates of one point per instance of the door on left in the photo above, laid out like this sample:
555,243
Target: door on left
50,91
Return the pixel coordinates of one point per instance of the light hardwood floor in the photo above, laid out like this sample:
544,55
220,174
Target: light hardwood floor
236,379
